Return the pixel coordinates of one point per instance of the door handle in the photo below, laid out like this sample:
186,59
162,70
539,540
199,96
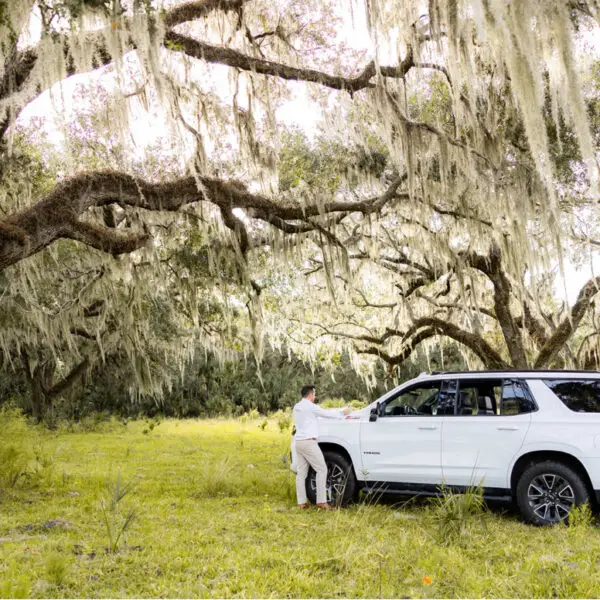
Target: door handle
507,428
430,428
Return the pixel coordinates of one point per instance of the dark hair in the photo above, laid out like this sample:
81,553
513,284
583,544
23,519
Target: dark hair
306,390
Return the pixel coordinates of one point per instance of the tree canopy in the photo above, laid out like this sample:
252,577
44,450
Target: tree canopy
454,170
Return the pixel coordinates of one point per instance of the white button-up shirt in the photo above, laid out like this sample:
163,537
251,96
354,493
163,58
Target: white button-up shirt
305,418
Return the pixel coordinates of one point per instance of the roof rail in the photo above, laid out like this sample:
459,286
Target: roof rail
510,370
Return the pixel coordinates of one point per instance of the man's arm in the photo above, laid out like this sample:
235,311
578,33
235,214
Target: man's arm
332,413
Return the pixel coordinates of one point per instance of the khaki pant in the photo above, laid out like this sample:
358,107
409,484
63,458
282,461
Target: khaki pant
308,454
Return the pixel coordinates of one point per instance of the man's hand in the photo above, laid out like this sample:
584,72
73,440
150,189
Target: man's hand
347,410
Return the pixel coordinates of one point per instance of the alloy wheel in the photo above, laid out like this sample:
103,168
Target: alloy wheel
551,497
335,485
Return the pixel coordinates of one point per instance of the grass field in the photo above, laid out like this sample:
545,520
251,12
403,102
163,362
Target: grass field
208,510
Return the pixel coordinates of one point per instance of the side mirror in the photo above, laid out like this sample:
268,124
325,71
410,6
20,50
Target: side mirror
374,413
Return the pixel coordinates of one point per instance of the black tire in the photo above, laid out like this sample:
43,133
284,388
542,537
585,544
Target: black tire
546,491
341,482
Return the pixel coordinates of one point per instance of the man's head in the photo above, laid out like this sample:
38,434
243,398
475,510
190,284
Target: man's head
308,392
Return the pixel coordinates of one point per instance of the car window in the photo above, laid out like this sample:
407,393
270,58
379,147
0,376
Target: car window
516,398
578,395
426,399
479,397
490,397
418,399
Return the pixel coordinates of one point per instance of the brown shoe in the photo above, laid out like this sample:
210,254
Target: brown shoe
304,505
326,506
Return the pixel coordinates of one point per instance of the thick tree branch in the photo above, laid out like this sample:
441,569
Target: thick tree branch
458,305
371,339
403,259
491,266
59,215
105,239
490,358
79,331
534,326
190,11
421,330
412,285
563,332
20,65
94,309
19,68
233,58
404,354
367,303
458,215
238,228
64,384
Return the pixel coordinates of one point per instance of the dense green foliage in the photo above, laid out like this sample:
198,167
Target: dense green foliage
209,387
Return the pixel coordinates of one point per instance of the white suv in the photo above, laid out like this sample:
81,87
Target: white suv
528,436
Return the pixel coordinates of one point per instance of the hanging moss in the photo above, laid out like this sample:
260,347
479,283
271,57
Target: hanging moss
469,145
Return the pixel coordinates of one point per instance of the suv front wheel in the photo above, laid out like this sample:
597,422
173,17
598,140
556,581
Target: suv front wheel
546,492
341,483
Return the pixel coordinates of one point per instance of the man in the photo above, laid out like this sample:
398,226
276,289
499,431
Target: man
308,452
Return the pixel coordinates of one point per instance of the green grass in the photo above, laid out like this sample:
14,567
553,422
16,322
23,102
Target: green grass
214,516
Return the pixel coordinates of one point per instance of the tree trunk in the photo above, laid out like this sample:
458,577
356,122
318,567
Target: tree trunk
37,400
42,386
39,384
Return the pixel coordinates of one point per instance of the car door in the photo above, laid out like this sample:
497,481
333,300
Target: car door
487,431
403,443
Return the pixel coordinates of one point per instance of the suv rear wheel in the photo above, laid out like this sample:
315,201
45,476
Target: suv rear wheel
546,492
341,483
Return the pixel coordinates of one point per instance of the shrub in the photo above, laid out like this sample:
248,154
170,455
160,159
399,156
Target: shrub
14,465
283,419
581,517
341,403
12,422
56,568
14,459
115,521
94,422
216,479
151,424
358,404
42,470
456,515
17,587
333,403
